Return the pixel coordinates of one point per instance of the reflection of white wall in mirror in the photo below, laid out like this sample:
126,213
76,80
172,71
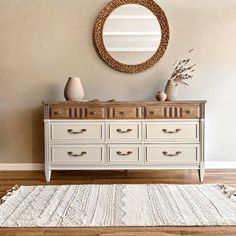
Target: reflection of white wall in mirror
132,57
131,34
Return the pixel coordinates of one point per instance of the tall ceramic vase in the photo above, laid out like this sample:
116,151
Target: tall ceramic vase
171,90
73,90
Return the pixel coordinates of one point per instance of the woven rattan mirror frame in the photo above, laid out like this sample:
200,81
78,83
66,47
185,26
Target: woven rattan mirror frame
98,35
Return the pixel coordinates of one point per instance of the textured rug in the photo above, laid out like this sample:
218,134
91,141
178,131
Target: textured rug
118,205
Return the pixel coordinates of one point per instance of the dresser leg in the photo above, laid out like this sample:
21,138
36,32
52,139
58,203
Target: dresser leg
48,174
202,173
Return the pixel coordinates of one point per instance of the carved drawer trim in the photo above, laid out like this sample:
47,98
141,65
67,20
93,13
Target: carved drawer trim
172,112
60,112
125,110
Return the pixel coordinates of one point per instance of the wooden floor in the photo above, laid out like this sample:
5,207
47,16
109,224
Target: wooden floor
10,178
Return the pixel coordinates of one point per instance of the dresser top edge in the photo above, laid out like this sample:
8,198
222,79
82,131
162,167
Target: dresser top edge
103,103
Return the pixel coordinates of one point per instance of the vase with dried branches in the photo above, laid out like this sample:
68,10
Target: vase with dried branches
183,71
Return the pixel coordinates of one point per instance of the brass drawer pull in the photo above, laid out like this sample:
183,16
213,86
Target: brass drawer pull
171,155
92,113
70,131
171,132
77,155
124,154
123,131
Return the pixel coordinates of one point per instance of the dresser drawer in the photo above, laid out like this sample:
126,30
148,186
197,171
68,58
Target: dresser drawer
173,112
81,131
124,154
87,154
124,132
95,113
57,112
60,112
171,131
124,112
174,153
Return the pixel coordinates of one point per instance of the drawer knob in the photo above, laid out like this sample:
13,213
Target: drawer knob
71,154
171,155
123,131
151,112
124,154
187,111
70,131
122,113
171,132
92,113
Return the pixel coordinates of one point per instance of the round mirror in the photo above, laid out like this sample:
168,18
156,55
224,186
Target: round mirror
131,35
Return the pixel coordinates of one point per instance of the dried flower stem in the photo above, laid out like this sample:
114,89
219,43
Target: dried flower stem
183,71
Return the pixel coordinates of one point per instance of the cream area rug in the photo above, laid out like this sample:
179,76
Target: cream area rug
118,205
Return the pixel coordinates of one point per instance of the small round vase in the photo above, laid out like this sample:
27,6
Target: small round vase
171,90
161,96
73,90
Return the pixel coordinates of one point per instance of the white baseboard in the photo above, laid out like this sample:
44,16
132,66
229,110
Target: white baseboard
21,166
39,166
220,165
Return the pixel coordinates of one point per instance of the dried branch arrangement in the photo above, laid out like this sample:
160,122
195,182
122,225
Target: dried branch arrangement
183,71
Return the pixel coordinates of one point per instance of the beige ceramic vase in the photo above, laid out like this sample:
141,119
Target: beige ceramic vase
161,96
171,90
74,90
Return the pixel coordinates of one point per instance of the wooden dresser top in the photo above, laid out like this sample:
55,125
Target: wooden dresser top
124,110
102,103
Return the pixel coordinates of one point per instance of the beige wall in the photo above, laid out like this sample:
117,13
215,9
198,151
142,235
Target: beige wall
42,42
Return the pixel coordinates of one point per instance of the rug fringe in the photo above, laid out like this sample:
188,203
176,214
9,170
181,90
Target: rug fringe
9,193
229,191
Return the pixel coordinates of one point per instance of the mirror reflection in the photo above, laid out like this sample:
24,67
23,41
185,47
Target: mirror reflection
131,34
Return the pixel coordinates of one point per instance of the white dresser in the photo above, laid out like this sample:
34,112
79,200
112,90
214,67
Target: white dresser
124,135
